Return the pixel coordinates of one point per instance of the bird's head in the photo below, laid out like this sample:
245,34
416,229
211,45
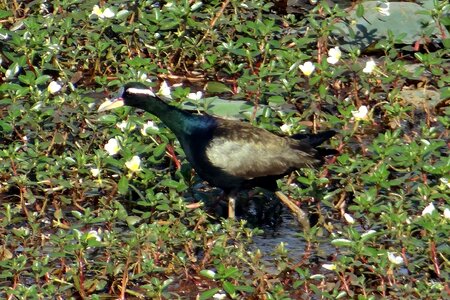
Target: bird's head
131,94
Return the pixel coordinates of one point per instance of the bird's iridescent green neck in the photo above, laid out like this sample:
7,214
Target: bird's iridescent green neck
179,121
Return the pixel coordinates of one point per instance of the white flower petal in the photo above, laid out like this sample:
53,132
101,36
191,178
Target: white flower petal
307,68
95,172
164,90
54,87
93,235
395,259
149,126
349,218
96,11
334,55
112,147
361,113
195,96
330,267
370,66
286,128
134,164
429,209
219,296
447,213
108,13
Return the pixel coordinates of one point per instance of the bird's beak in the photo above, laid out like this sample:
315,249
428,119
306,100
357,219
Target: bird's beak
111,104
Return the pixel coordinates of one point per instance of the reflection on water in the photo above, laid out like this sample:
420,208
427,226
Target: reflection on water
289,233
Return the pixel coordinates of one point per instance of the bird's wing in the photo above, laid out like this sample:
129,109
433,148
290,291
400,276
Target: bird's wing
250,152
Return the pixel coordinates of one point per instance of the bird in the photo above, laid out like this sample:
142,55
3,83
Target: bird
228,154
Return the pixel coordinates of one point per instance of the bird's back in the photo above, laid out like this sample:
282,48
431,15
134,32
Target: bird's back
231,154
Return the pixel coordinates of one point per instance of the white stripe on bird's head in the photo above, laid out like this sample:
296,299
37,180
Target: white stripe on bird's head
138,91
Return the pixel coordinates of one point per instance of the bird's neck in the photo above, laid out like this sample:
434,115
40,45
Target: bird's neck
179,121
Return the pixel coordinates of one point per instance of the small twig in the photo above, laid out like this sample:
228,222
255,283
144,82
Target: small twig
214,20
434,258
302,217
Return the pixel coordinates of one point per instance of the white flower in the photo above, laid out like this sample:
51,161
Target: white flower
143,77
361,113
307,68
286,128
96,11
349,218
195,96
54,87
124,125
4,36
95,172
447,213
112,147
444,181
164,90
220,296
334,55
370,66
383,8
330,267
395,259
101,13
429,209
134,164
12,71
108,13
149,125
93,235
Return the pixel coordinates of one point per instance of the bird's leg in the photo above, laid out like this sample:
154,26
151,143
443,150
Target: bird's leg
302,217
231,205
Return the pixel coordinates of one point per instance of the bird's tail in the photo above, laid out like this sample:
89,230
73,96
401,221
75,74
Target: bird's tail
314,139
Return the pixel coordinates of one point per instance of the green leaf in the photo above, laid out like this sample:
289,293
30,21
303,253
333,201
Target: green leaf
123,185
170,183
342,242
209,294
245,288
42,79
159,150
230,272
229,288
360,11
217,87
278,100
6,127
108,119
208,274
445,93
5,13
131,220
